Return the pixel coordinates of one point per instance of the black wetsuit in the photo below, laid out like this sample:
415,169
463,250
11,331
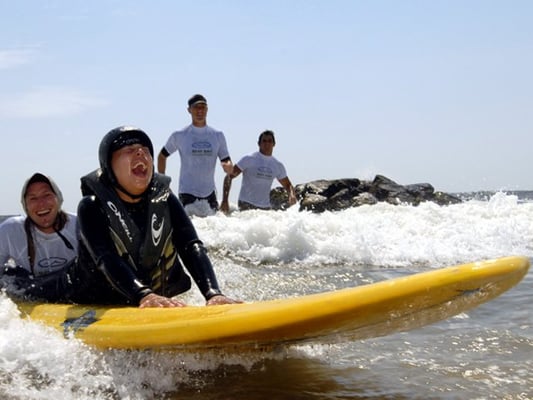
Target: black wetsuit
129,250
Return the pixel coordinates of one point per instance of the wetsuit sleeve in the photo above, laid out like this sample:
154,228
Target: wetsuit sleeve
191,250
95,236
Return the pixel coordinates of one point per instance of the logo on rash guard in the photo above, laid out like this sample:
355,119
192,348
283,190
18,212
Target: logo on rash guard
52,262
157,229
202,149
265,173
117,213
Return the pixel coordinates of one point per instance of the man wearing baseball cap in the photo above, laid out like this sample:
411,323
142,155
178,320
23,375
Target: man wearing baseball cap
199,146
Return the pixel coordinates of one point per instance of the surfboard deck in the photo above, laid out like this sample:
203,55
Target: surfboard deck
361,312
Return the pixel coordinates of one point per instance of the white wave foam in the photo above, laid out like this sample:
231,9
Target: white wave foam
382,234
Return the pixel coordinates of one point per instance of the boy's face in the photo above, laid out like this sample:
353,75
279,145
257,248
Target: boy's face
133,168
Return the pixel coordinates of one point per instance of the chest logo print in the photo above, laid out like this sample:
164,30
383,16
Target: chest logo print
157,229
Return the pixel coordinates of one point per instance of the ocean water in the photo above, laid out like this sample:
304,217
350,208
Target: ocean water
486,353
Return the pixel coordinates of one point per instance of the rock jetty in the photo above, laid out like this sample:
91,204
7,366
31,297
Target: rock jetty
338,194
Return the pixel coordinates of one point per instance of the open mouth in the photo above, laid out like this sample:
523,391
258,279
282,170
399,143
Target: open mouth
42,213
139,169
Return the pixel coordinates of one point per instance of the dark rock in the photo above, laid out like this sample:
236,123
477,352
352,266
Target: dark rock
424,190
445,199
339,194
364,199
279,198
384,188
314,202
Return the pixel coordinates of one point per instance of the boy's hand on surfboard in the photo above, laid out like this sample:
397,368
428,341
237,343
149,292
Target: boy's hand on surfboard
154,300
221,299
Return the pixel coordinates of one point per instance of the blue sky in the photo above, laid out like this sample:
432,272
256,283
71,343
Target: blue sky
419,91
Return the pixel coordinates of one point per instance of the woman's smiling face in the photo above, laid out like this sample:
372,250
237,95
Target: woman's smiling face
42,206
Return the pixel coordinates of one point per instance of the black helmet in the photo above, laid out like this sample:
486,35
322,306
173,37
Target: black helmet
116,139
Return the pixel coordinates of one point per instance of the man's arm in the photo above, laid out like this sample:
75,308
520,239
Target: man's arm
286,183
162,161
226,187
227,165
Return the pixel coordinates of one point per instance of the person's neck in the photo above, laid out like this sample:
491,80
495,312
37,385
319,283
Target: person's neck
127,198
199,124
43,229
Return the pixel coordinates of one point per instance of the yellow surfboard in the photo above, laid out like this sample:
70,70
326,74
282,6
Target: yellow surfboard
362,312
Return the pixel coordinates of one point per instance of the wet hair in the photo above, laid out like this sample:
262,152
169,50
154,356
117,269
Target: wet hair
267,133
